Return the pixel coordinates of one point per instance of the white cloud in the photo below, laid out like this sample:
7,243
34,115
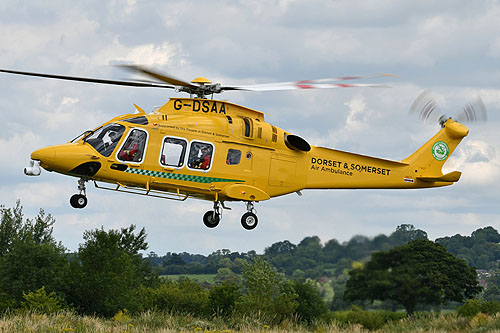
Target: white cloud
358,114
164,54
450,46
478,160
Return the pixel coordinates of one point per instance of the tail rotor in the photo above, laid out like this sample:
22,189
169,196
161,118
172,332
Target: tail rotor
427,109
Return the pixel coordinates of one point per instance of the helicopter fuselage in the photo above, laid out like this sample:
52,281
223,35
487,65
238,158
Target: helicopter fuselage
220,151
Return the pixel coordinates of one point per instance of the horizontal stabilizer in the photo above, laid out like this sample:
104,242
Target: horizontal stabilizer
453,176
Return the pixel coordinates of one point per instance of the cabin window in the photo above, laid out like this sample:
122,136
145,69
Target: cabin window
200,155
233,157
248,127
134,147
105,139
173,152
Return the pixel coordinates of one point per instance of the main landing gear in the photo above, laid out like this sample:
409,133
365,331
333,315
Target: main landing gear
212,218
79,200
249,220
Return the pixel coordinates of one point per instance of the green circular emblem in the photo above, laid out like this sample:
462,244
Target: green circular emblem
440,150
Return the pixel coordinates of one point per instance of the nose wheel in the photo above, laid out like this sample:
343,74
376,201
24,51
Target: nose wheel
212,218
79,200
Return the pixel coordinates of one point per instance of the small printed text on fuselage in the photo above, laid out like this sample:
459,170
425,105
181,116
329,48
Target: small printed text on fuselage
344,168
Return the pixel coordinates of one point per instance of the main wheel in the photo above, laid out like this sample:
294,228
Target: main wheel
78,201
249,221
211,219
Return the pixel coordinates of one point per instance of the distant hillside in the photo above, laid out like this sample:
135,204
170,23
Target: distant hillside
312,259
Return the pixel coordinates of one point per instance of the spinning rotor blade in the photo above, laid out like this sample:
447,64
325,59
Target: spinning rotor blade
158,76
311,84
473,112
86,79
427,110
202,87
425,107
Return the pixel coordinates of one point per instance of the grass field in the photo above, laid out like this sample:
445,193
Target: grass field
200,278
160,322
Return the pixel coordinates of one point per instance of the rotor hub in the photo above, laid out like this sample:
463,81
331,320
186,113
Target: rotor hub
201,81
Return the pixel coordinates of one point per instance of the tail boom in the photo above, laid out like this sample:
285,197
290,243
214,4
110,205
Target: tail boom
334,169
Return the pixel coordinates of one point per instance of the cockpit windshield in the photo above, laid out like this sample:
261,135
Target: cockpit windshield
104,139
81,136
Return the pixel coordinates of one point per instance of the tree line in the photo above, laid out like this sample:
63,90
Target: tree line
108,274
312,259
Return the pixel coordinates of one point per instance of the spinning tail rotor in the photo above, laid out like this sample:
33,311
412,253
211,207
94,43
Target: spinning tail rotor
427,109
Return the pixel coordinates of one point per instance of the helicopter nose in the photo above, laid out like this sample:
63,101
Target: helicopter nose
68,159
45,155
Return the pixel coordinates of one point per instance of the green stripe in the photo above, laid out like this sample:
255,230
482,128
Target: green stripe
177,176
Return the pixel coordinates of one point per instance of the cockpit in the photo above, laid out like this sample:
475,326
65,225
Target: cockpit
105,139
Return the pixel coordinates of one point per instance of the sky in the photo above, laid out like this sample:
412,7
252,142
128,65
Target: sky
451,48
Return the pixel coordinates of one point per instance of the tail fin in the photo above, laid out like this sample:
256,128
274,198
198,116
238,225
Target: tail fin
428,160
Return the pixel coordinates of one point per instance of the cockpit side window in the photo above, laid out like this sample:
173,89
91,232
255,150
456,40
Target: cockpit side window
105,139
133,148
200,155
173,152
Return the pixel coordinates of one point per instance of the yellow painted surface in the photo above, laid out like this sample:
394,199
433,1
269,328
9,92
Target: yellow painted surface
266,168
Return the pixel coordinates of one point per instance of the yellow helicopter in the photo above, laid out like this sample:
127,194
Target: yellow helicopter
219,151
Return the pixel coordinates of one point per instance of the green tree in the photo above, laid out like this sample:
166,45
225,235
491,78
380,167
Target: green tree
280,247
109,270
10,224
310,304
223,297
39,301
181,296
406,233
420,272
30,258
481,249
266,291
225,274
310,248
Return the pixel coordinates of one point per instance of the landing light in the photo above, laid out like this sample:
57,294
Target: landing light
33,169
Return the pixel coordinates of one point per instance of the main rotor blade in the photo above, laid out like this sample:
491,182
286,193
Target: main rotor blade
162,77
312,84
92,80
302,85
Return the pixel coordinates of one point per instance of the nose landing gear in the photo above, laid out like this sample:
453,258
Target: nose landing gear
79,200
212,218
